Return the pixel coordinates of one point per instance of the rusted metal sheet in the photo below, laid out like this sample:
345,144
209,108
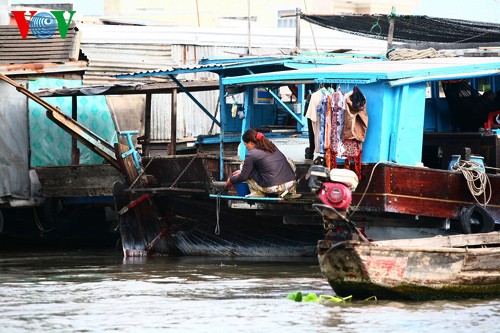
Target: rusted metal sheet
139,88
364,269
43,67
78,181
16,50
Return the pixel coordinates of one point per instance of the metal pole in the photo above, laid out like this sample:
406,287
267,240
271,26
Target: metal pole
223,123
173,123
198,13
249,29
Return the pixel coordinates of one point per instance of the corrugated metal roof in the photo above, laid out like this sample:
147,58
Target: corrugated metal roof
130,88
248,65
105,61
15,50
439,68
113,49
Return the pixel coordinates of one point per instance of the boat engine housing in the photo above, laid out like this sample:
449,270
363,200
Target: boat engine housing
336,195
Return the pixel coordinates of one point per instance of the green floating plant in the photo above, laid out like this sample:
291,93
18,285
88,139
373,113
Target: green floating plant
312,297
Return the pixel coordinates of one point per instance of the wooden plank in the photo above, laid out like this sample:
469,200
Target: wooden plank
489,261
445,241
418,191
78,181
127,165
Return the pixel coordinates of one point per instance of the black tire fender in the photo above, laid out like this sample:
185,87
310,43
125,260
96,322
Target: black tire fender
475,219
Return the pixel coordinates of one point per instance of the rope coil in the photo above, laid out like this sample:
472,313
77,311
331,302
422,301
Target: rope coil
408,54
477,180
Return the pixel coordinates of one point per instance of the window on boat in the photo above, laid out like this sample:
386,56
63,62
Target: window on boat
457,117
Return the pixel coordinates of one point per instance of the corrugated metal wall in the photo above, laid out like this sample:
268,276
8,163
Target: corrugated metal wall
15,50
191,121
115,49
105,61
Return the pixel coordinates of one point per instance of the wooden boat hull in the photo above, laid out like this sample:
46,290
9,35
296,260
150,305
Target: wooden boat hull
180,212
417,191
412,272
192,228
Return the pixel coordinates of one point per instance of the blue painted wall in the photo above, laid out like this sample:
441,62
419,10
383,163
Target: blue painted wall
261,115
395,124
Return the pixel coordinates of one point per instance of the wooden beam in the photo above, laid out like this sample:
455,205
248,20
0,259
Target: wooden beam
147,126
173,123
390,35
75,152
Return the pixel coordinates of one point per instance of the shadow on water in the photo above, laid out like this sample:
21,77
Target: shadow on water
79,227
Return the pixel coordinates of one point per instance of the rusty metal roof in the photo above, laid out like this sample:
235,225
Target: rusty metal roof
43,67
16,50
132,88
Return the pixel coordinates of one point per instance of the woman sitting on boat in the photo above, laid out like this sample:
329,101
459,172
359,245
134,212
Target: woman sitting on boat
265,169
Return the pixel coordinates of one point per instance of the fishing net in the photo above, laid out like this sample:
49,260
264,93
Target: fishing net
410,28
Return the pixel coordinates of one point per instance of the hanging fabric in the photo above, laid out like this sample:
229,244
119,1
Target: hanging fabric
316,113
356,118
354,128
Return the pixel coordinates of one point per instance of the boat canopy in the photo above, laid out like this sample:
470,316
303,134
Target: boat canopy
396,96
395,91
393,72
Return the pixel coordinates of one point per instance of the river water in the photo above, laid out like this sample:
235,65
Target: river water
99,291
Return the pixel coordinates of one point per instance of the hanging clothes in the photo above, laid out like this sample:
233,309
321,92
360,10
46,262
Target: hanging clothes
337,107
356,118
316,113
349,121
354,129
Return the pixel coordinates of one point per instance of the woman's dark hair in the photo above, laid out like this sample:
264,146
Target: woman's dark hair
260,141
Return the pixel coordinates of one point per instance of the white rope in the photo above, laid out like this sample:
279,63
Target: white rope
366,188
39,224
408,54
477,180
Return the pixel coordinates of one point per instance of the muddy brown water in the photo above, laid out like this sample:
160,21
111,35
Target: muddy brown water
99,291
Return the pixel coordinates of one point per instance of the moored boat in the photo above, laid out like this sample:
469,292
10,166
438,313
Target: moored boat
456,266
405,182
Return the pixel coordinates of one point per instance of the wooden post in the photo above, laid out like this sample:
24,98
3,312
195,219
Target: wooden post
75,152
391,28
297,28
173,123
147,126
